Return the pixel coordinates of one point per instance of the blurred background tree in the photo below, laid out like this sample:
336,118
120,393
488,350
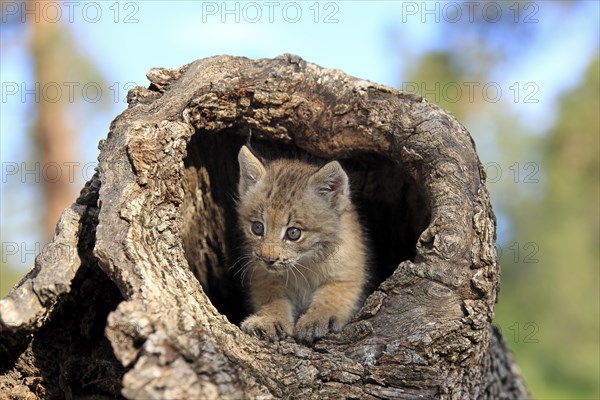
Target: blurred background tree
538,139
57,66
54,138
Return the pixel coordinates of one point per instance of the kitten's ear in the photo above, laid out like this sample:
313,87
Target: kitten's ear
331,182
251,170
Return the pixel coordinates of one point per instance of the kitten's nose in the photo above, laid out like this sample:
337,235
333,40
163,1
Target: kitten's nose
269,255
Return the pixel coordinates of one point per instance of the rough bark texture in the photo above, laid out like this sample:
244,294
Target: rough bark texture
134,296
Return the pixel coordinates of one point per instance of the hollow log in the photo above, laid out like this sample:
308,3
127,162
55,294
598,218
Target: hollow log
135,298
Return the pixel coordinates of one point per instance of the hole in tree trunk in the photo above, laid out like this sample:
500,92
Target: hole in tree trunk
392,207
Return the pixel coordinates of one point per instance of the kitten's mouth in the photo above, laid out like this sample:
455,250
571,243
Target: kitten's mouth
275,267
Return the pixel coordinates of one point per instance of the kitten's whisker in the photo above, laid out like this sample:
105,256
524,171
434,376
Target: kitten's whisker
305,267
242,267
243,277
295,276
252,275
291,268
237,261
245,271
300,272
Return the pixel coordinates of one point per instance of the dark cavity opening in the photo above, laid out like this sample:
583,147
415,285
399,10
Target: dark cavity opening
392,206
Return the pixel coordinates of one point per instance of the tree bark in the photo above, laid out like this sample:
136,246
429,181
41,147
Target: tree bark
134,297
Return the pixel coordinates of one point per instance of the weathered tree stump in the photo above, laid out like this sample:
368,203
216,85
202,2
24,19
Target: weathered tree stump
134,296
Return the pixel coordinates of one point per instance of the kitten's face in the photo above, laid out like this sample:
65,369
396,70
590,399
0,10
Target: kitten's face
290,211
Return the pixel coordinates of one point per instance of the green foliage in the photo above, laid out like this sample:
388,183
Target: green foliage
558,291
8,278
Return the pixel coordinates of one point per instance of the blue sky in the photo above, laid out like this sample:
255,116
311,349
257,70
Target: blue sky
372,40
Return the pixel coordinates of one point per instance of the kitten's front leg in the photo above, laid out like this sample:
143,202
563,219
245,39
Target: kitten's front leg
272,321
273,318
331,308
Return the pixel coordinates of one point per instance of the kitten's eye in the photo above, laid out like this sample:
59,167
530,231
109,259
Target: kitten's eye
258,228
293,233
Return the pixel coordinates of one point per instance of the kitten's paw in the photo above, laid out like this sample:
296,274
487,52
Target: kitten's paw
267,327
312,327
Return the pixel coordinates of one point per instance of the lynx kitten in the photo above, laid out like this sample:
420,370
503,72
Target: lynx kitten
304,249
